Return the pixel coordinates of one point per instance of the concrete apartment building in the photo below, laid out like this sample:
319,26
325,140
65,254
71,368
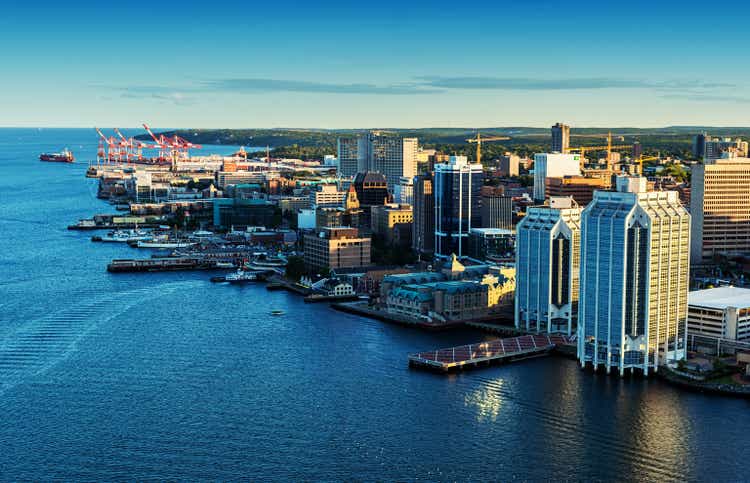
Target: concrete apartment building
553,165
720,207
635,261
333,248
547,261
722,312
560,138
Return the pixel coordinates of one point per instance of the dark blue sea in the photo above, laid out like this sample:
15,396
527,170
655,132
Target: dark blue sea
167,376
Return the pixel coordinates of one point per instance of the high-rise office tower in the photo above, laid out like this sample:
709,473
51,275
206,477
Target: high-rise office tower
699,145
423,234
553,165
457,191
393,156
352,155
547,257
635,260
560,138
720,209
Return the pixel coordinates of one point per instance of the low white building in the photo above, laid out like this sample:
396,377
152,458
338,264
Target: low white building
333,288
722,312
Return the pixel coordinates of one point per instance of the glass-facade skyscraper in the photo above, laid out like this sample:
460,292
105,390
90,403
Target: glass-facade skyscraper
635,256
458,204
547,257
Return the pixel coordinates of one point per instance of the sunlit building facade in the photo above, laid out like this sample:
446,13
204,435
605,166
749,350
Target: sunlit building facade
720,209
457,189
547,246
635,257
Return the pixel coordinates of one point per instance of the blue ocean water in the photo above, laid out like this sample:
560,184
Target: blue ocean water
166,376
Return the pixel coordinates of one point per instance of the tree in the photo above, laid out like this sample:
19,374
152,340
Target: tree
295,267
277,218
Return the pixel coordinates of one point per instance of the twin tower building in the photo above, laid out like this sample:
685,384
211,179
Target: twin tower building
614,274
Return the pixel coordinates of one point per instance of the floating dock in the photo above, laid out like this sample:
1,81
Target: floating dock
486,353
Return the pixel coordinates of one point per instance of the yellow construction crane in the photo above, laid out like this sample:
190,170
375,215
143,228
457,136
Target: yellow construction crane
609,148
479,140
641,159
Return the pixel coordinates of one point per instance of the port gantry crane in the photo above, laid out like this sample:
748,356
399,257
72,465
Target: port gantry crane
133,147
609,148
479,140
173,147
114,149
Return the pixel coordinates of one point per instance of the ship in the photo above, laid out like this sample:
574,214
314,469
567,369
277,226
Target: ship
124,236
64,157
240,276
162,242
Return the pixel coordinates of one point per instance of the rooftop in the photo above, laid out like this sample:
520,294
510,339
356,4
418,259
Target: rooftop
720,297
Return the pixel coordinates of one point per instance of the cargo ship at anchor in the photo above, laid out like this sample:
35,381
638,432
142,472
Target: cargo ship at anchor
63,157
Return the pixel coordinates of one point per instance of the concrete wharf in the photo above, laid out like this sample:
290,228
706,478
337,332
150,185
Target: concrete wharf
488,352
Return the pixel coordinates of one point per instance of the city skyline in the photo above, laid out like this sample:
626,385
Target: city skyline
336,65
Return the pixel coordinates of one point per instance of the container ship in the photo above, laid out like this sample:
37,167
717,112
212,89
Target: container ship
63,157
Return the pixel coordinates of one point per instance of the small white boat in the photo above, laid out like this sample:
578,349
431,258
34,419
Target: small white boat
277,312
241,276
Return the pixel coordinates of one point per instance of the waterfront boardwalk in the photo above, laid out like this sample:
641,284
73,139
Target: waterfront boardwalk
488,352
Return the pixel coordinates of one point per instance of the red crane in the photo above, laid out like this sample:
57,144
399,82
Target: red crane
113,148
174,147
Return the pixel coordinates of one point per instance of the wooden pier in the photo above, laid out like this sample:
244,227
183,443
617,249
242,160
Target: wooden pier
486,353
164,264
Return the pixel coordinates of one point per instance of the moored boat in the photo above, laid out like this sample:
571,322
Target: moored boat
240,276
124,236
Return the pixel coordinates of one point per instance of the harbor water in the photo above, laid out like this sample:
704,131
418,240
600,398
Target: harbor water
167,376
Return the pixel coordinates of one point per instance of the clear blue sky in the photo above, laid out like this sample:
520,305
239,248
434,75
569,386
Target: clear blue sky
374,64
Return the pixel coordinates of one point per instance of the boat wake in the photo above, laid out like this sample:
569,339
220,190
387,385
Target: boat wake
39,344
